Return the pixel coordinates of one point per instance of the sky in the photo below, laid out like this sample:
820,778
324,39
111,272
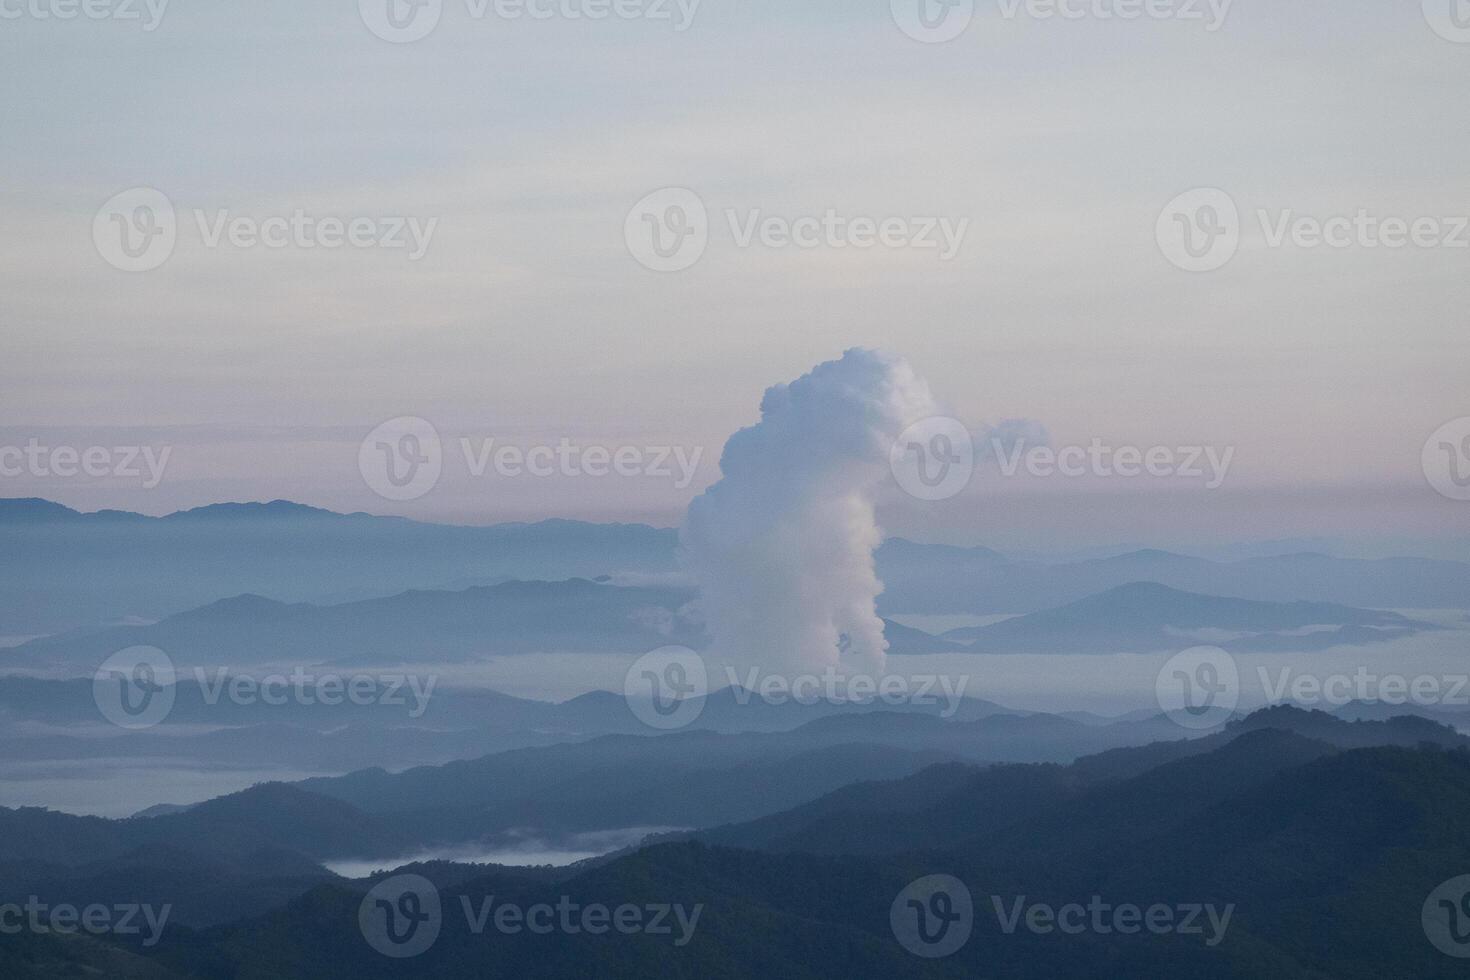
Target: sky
531,318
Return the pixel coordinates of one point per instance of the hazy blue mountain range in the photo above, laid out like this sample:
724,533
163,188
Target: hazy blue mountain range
923,578
573,616
625,767
693,778
1282,815
66,570
71,570
946,806
1147,616
581,616
58,721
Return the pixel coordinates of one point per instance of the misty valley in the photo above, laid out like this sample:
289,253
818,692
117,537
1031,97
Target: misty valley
333,733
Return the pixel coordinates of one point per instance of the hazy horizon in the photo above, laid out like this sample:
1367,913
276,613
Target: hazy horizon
527,320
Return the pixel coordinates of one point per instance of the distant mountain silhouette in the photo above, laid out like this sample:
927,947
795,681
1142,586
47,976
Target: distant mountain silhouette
1049,801
1275,824
583,616
63,571
986,583
573,616
1147,616
271,510
67,570
228,829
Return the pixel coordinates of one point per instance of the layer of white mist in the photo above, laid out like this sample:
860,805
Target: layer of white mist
513,850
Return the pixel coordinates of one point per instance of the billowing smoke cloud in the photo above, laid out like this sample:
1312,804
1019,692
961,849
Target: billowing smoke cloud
782,546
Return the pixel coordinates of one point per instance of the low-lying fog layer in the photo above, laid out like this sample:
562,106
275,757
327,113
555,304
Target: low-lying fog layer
520,850
1111,685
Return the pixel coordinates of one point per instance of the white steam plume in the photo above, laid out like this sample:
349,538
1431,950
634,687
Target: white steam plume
782,546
